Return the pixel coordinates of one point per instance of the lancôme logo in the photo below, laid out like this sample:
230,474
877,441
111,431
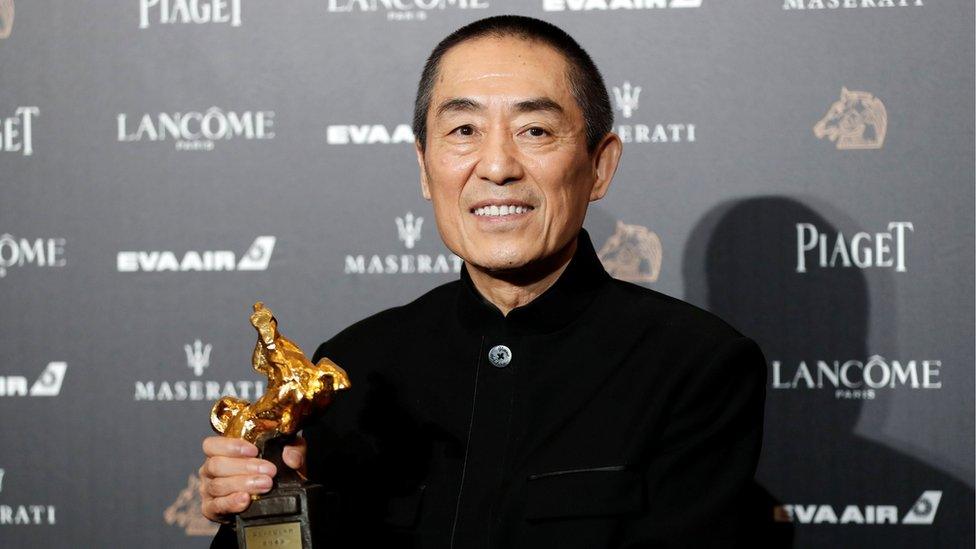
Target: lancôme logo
40,252
48,384
256,258
196,130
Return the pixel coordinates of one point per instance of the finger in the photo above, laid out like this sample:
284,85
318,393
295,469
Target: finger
294,455
229,447
225,486
229,466
217,509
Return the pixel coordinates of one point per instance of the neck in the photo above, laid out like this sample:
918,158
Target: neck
510,289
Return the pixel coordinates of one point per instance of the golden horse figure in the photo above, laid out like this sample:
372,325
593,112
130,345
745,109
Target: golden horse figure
296,387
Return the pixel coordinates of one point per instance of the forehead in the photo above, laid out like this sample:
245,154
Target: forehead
496,68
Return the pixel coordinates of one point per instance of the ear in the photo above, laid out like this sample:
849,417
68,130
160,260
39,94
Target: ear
606,158
422,164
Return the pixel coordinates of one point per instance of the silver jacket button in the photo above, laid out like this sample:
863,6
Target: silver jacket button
500,356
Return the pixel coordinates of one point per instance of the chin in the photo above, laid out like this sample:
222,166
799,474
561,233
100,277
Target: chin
502,258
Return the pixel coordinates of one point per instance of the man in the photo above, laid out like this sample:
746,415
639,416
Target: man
536,402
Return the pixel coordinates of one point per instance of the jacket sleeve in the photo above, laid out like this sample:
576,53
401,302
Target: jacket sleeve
226,538
700,472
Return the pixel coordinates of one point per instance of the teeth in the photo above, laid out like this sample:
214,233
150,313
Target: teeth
495,211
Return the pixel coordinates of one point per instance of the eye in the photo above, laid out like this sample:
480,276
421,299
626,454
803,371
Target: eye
465,130
536,131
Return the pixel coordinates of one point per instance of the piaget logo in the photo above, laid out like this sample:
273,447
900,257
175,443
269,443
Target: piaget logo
6,18
169,12
16,132
633,253
817,247
858,120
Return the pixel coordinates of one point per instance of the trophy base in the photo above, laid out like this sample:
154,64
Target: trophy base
280,519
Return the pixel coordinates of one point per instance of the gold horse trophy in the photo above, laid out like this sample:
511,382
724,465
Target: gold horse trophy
280,518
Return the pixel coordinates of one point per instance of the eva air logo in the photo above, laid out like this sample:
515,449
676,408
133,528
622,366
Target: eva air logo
46,385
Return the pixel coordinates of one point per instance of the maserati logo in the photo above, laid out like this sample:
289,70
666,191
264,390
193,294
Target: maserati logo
633,254
858,120
627,98
198,356
185,511
408,229
6,18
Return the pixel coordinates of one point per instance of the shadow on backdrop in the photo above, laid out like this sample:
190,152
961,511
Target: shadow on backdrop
740,263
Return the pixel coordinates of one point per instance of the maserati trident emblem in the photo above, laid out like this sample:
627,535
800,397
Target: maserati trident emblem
198,356
627,98
408,229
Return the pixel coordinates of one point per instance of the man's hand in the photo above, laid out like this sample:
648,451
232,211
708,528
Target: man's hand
232,472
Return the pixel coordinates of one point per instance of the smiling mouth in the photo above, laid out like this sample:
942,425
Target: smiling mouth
498,211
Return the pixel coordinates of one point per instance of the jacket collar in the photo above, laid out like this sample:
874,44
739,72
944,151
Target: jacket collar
557,307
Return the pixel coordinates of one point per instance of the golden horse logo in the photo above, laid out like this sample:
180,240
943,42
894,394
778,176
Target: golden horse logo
6,18
633,254
185,511
858,120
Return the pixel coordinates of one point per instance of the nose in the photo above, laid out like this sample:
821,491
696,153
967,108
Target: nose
499,163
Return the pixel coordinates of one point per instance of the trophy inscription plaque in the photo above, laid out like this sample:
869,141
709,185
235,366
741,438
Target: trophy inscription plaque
297,388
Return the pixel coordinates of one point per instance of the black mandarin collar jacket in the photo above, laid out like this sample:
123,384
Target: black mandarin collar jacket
623,418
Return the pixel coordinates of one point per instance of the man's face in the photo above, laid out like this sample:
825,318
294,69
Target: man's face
506,163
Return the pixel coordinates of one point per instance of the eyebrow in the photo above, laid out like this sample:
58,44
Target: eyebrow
464,104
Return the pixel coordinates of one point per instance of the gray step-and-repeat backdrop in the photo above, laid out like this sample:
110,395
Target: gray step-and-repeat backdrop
803,168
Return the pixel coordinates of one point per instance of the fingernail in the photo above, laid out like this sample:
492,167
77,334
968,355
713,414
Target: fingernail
247,450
